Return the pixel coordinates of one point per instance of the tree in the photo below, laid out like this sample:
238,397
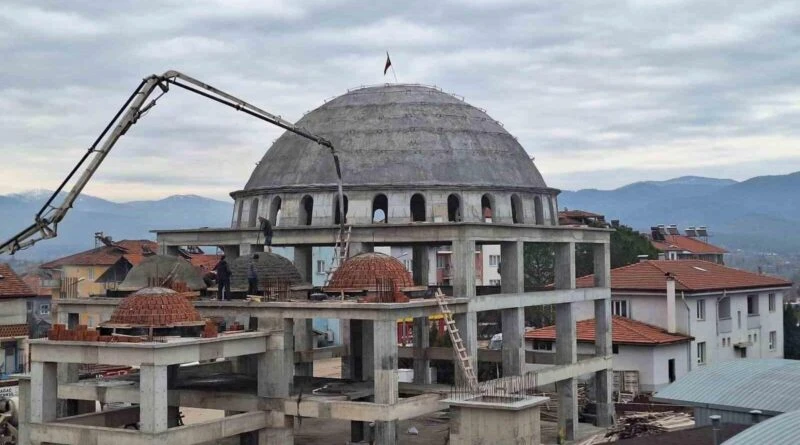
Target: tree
791,333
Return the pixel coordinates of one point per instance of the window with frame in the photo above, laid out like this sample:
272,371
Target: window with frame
542,345
614,349
773,340
321,267
701,309
620,307
771,302
494,282
44,309
701,353
494,260
724,308
409,265
90,273
752,305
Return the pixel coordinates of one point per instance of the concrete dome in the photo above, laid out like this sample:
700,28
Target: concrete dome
366,271
158,268
154,307
272,269
399,135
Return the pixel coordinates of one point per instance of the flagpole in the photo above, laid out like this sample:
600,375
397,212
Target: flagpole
393,73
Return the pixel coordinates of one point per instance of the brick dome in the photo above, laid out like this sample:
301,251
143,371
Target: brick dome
370,271
155,307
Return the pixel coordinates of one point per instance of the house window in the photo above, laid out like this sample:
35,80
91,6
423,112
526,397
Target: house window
44,309
752,305
701,353
320,267
494,260
772,302
614,349
409,265
494,282
724,309
701,309
90,273
620,307
29,306
441,262
773,340
755,337
540,345
723,342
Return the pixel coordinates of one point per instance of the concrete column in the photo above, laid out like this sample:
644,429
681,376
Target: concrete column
304,341
344,324
276,365
512,274
279,432
303,262
164,249
385,371
70,373
467,325
513,324
231,252
360,364
44,387
565,266
566,353
420,266
153,411
24,412
422,341
463,264
604,380
602,265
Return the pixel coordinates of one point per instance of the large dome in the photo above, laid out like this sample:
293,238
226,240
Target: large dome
399,135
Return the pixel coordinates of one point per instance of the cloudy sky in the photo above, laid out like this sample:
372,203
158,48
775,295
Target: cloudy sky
601,93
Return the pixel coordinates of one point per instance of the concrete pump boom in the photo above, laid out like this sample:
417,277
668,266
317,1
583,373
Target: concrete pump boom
46,221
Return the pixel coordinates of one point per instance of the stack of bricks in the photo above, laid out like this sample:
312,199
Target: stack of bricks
235,326
82,333
210,330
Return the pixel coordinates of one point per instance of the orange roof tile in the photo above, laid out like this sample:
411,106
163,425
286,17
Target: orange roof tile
13,330
624,331
132,250
204,261
11,285
688,244
690,275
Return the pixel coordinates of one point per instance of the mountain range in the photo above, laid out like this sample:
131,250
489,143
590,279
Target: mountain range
761,214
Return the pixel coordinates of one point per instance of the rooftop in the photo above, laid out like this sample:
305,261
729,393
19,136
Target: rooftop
107,255
11,285
689,244
624,331
703,435
770,385
690,275
779,430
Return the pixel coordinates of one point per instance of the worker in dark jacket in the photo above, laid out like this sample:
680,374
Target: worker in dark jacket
266,229
223,278
252,276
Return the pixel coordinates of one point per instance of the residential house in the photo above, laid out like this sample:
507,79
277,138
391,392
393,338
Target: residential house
645,356
92,272
39,317
14,331
729,313
671,245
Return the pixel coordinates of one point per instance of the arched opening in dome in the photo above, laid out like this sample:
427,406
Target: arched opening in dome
517,216
453,208
253,215
239,223
487,207
275,211
380,209
539,209
306,210
337,214
417,208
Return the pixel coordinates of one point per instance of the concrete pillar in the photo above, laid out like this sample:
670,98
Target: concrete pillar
303,262
463,264
231,252
422,341
44,387
344,324
70,373
385,371
513,324
275,376
602,265
361,365
564,266
604,380
24,412
467,325
420,266
153,411
164,249
566,353
512,274
304,341
279,432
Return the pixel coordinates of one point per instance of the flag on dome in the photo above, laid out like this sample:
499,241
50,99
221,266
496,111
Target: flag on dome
388,63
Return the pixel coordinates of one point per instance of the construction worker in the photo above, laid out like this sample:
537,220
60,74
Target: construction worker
252,276
223,278
266,229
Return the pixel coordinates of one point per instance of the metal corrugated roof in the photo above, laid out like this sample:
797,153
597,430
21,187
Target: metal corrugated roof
779,430
770,385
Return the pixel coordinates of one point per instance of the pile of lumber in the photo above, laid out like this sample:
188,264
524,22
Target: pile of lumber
645,424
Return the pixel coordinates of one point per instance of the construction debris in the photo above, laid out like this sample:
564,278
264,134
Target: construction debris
642,424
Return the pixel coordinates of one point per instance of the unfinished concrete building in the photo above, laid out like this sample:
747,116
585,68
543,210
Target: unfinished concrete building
442,172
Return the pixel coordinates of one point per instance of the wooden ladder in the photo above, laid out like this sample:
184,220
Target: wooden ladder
458,344
340,251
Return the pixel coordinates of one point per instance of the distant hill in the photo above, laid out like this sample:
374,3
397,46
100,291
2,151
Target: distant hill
760,214
132,220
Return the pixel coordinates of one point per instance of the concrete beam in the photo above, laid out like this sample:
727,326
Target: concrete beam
509,301
561,373
113,418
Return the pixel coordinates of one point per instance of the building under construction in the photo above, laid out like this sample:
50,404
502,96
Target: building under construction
443,173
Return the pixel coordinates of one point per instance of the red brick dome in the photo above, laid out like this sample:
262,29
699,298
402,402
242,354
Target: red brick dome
371,271
155,307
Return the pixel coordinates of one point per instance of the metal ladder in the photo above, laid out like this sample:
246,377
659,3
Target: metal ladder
458,344
340,251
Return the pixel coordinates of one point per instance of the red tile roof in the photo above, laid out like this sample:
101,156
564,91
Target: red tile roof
204,261
686,243
11,285
624,331
690,275
132,250
13,330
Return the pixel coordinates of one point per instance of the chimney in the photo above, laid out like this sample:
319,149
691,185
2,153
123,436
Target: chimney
755,416
642,258
670,303
715,427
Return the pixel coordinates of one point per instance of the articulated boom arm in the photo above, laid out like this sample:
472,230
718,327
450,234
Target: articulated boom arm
46,221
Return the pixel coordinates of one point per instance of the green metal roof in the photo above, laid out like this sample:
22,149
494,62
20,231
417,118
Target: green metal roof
779,430
770,385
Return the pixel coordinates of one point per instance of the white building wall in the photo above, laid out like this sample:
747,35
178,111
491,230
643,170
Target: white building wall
491,273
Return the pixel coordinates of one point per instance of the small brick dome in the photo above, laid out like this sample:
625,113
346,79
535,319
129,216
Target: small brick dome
370,270
271,268
155,307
